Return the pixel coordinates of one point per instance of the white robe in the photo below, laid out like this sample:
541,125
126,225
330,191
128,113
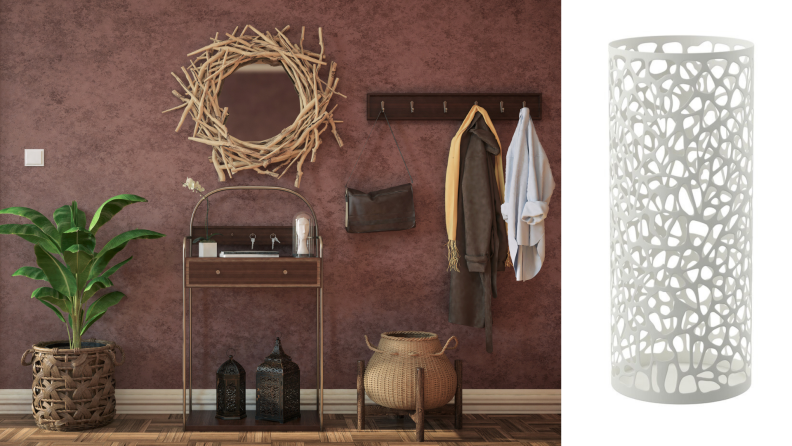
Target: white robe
529,186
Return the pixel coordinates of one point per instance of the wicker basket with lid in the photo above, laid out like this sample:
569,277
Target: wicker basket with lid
390,375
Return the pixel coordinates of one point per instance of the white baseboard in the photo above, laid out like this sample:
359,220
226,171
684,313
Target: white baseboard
340,401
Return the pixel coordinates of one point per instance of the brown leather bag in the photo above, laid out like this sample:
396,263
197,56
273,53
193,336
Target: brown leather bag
390,209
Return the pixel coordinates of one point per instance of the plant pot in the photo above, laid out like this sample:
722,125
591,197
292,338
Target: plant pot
207,249
390,374
73,389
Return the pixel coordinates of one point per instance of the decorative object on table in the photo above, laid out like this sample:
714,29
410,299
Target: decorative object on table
231,390
206,246
273,156
528,188
74,280
274,239
302,232
390,209
249,254
277,387
681,147
473,212
410,372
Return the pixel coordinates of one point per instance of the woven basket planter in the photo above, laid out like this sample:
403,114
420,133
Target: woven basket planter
73,389
390,375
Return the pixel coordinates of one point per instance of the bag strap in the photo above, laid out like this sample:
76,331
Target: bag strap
382,112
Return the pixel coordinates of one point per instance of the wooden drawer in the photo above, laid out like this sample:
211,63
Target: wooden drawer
280,272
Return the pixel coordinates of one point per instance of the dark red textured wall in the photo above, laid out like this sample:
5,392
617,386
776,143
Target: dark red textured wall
87,81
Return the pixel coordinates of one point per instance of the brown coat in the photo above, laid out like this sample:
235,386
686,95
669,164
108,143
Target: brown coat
481,231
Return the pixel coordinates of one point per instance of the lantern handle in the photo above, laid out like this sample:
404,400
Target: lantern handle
231,350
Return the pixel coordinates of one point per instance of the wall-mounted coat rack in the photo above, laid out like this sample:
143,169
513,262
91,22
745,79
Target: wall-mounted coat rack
438,106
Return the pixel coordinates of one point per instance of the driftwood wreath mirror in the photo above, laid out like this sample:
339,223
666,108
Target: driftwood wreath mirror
275,155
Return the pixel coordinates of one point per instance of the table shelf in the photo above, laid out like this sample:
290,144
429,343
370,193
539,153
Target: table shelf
205,421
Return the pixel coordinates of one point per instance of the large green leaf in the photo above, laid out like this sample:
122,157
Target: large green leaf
58,275
77,229
53,297
109,208
77,235
102,259
95,285
102,303
78,251
106,275
125,237
37,218
102,281
100,306
90,322
115,267
62,217
81,247
52,307
31,272
32,234
77,216
48,292
115,245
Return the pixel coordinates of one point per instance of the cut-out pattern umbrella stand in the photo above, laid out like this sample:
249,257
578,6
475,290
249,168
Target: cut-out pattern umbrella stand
681,145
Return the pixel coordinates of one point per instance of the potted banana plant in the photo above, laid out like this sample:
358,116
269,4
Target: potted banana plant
74,384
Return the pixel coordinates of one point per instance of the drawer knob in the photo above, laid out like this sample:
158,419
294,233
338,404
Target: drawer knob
217,272
285,272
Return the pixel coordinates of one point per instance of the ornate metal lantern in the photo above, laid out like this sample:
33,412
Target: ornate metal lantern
277,387
231,391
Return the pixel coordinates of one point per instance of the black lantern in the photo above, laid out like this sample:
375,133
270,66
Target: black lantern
277,387
231,391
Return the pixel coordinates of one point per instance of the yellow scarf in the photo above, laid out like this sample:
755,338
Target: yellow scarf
452,182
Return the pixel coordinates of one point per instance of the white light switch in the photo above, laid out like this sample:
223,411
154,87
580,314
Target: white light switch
34,157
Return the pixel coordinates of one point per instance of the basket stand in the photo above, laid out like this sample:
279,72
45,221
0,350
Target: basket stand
420,414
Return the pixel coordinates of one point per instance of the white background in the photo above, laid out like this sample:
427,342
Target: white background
593,413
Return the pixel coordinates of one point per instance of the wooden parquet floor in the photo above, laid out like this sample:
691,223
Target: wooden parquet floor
479,430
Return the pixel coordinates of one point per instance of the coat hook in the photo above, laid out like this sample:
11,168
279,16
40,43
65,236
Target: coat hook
502,107
476,102
412,109
445,108
523,104
382,104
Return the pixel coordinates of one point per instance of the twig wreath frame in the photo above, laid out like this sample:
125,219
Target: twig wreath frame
273,156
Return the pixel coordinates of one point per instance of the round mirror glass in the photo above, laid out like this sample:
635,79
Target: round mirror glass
261,101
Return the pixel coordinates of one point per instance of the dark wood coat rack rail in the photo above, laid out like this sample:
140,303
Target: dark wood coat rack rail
441,106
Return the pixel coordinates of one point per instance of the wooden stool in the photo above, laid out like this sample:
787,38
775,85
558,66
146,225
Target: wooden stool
420,413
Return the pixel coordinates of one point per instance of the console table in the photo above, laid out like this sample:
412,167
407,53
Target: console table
280,272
